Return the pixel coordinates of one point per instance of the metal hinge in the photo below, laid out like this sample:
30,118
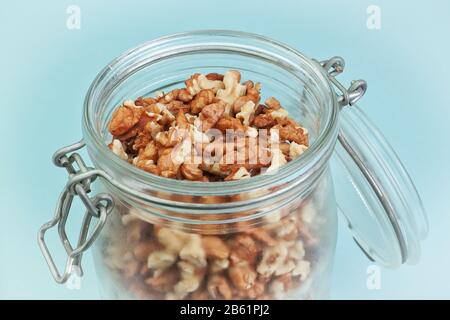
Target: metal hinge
335,66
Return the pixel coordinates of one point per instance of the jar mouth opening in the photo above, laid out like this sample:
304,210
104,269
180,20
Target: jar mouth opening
314,157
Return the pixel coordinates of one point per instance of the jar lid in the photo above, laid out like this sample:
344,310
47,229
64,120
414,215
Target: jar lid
375,193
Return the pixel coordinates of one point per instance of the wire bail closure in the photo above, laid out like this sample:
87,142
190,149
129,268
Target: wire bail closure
97,207
335,66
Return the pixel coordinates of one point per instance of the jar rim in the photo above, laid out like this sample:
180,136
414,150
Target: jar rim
314,157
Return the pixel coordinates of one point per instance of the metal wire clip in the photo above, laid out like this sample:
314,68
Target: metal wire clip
97,207
335,66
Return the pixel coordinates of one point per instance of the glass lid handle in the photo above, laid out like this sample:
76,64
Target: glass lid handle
97,207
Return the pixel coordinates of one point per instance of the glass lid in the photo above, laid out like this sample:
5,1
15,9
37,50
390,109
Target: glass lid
375,193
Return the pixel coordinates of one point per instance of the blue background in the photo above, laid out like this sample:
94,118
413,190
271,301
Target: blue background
47,68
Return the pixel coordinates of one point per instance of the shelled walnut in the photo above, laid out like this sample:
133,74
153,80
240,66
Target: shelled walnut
214,129
260,263
169,134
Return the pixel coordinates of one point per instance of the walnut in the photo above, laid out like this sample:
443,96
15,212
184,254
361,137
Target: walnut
253,91
166,164
178,107
272,259
262,235
144,102
287,231
191,172
214,76
160,260
218,265
278,160
141,140
124,119
210,114
273,104
215,169
191,277
246,113
131,268
233,89
279,114
164,281
117,149
136,230
252,94
285,268
264,121
229,123
199,81
284,147
169,138
297,251
147,165
167,121
238,173
160,112
129,103
132,215
202,99
172,240
302,269
115,256
185,286
143,249
177,94
182,152
309,212
150,152
219,288
260,109
193,251
215,247
200,294
256,292
182,121
242,275
243,248
187,268
153,128
197,136
290,131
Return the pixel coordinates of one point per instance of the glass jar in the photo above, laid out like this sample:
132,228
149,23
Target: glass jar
268,237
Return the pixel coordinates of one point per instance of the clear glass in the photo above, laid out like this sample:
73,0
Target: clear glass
277,232
288,256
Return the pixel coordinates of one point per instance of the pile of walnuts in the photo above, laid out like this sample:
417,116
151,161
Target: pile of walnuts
169,135
214,129
159,262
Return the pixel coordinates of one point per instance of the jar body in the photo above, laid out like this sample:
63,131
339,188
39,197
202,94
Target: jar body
289,255
269,237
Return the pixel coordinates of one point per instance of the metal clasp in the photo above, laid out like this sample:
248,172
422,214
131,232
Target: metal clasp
97,207
357,89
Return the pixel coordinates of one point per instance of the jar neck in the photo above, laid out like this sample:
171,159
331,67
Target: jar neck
255,196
